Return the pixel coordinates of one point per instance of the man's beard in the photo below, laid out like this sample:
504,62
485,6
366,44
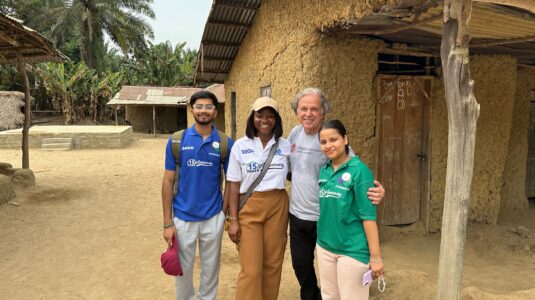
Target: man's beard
199,121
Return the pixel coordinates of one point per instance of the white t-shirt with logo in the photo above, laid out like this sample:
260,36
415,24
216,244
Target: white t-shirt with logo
306,159
246,159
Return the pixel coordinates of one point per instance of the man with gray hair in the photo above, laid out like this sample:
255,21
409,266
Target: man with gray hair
310,107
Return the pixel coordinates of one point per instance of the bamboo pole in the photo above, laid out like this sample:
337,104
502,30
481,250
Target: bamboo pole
463,112
27,112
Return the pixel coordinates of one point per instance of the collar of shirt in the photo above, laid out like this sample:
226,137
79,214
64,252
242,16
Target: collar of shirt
258,143
353,161
214,136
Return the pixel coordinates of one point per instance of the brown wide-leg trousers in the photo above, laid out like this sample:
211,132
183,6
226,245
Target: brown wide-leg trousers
264,223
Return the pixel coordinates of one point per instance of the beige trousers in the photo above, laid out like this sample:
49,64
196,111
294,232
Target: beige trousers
341,276
264,223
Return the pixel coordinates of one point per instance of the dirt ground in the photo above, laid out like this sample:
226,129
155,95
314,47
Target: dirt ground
91,229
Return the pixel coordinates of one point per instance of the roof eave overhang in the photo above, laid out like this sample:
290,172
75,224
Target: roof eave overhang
227,25
418,30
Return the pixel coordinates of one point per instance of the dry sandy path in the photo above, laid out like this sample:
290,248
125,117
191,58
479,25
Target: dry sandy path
91,229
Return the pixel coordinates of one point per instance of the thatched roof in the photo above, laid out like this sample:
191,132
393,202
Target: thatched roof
11,115
32,47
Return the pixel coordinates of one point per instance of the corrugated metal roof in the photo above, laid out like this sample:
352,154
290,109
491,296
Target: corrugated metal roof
226,27
153,95
229,21
218,90
161,96
152,101
15,38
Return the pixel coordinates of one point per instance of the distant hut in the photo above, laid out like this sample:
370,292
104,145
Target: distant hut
154,109
11,110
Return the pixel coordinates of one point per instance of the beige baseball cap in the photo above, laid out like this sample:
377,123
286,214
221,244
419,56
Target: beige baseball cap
265,102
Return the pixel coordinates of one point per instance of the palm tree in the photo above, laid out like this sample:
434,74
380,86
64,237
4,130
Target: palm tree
89,20
164,65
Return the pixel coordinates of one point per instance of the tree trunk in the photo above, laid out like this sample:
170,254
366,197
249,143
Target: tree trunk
68,111
154,120
27,114
463,112
93,108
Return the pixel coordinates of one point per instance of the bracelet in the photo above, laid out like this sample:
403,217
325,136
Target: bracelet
168,225
232,218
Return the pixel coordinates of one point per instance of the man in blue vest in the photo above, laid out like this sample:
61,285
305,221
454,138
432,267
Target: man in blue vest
195,213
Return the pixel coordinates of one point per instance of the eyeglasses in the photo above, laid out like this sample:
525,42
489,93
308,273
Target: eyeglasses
205,106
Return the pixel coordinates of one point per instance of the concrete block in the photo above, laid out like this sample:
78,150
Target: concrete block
57,146
56,140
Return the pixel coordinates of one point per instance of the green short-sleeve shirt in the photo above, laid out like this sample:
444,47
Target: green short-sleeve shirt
344,204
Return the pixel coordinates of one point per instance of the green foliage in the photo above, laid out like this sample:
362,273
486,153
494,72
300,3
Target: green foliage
78,90
97,69
162,65
9,78
88,20
78,27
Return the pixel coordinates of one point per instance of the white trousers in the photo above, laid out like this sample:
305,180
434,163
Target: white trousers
341,276
208,234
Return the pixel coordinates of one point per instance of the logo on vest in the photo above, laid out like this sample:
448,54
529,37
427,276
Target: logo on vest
188,148
215,145
330,194
199,163
345,179
247,151
253,167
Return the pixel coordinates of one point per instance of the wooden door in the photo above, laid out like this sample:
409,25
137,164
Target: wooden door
403,111
530,168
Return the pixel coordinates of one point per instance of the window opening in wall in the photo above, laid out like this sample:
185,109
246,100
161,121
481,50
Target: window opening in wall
233,115
406,64
265,91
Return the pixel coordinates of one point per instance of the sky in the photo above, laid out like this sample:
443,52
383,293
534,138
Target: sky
180,21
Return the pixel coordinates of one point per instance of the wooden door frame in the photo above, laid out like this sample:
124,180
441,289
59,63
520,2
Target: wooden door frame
426,140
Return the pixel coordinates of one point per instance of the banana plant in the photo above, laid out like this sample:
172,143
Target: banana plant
60,82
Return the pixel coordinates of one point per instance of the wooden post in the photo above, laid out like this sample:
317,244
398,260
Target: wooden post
115,111
154,120
27,113
463,112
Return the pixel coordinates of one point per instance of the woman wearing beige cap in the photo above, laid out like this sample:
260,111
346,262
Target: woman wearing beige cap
258,167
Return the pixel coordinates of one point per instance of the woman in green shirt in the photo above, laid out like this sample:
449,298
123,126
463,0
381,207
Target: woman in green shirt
348,239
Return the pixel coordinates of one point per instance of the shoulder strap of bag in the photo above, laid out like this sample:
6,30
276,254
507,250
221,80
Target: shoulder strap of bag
176,146
224,146
265,168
